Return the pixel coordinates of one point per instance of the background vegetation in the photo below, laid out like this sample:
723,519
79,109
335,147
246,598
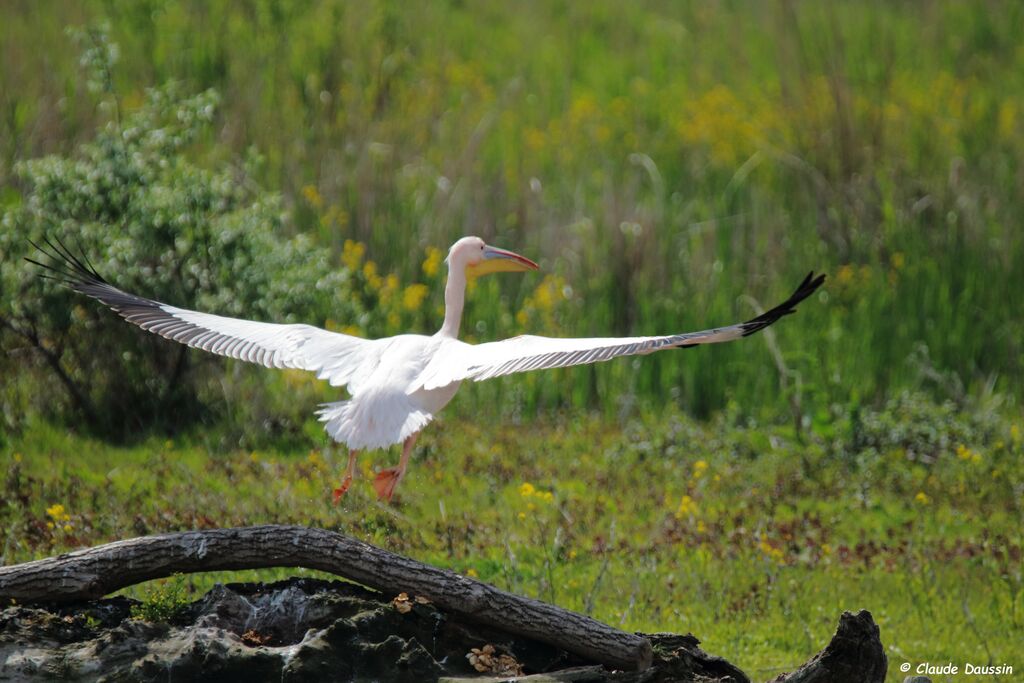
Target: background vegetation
671,166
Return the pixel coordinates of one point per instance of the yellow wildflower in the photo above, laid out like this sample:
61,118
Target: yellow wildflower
543,301
370,273
413,296
57,513
352,254
544,294
471,573
527,490
719,120
967,454
312,196
898,260
432,264
699,468
389,287
771,551
922,498
687,507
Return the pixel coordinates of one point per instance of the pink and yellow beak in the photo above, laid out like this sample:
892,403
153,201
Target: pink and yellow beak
500,261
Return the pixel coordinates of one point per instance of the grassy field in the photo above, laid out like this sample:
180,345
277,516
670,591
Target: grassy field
742,533
671,166
661,160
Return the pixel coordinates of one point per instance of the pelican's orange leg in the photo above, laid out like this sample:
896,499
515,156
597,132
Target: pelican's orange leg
350,472
387,479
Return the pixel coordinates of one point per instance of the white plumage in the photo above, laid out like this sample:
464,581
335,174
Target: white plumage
386,409
397,384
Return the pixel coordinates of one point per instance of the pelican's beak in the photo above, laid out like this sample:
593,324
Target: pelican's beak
500,261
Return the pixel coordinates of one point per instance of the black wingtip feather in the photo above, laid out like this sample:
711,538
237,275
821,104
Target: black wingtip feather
67,255
60,276
85,257
64,265
809,285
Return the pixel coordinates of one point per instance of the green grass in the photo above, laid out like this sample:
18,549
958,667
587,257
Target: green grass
738,532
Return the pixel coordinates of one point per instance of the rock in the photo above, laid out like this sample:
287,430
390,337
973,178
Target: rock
579,674
312,630
854,655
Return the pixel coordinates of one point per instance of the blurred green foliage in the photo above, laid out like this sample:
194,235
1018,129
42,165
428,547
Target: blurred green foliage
663,161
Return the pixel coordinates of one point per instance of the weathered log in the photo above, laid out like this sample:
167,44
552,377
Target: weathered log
98,571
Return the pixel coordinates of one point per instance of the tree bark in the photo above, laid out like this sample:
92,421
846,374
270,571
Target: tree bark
95,572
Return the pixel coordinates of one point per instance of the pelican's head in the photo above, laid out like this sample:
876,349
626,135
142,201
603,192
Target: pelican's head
479,258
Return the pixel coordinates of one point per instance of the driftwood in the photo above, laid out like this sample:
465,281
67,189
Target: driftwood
95,572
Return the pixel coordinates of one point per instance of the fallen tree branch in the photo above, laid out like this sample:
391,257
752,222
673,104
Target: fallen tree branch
95,572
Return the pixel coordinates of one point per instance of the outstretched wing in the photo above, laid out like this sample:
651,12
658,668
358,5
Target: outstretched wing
524,353
338,358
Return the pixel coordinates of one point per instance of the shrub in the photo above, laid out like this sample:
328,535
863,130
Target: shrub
156,223
916,425
164,602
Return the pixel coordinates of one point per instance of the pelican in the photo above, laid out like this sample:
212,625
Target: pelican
396,385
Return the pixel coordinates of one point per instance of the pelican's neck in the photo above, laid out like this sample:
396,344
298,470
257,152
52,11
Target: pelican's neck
454,300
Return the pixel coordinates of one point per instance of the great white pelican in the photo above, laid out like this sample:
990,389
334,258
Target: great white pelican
397,384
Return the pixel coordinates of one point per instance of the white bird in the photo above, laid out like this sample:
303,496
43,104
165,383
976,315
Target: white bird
396,385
